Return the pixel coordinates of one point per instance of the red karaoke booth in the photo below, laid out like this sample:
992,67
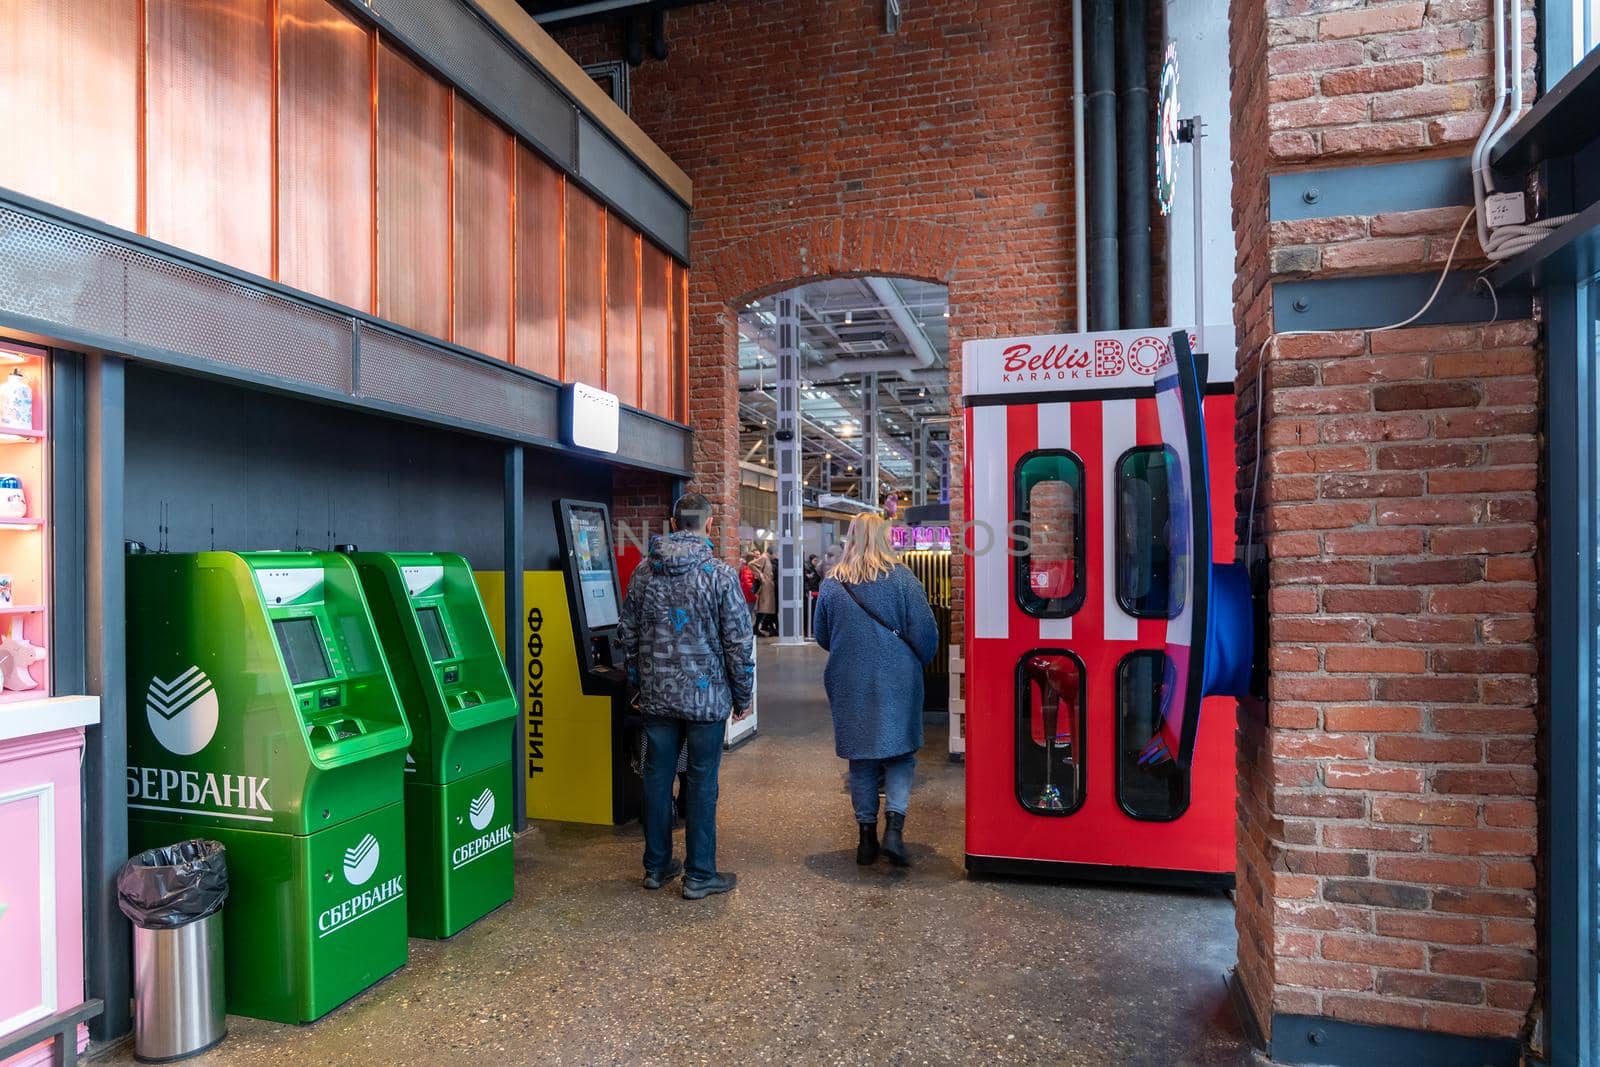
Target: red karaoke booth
1074,573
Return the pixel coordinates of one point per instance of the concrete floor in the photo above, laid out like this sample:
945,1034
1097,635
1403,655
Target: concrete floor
811,960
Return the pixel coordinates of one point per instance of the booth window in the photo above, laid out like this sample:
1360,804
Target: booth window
1158,792
1050,732
1048,537
1144,549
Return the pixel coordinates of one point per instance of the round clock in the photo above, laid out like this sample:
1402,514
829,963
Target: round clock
1167,123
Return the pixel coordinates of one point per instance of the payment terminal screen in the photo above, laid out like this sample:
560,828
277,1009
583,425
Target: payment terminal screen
303,653
592,551
433,633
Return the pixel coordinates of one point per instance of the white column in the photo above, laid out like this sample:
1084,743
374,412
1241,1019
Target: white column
786,456
869,438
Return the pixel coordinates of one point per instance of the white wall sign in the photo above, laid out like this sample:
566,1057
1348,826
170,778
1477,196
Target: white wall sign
590,417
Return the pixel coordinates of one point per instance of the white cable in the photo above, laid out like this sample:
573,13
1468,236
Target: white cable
1508,241
1503,242
1272,342
1513,39
1480,150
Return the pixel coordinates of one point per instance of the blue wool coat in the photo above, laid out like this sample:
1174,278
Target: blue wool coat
874,680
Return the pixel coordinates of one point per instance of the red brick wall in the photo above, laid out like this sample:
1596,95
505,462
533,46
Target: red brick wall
1388,825
820,145
641,504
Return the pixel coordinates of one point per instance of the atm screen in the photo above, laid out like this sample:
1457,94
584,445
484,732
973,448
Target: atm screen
433,634
300,641
591,549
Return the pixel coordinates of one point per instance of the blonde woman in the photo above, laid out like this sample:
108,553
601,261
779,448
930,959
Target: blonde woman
874,622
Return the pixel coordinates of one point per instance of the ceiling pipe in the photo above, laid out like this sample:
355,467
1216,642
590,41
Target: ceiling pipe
632,41
1105,303
658,33
901,316
908,367
1080,230
580,11
1133,162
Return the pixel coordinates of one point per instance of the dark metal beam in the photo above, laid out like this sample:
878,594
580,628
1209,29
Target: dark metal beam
1363,303
1101,136
1134,166
105,765
514,607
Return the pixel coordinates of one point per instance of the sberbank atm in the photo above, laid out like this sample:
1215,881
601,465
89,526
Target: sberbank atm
460,704
262,714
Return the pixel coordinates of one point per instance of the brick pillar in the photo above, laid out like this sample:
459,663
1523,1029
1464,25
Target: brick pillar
714,407
1388,826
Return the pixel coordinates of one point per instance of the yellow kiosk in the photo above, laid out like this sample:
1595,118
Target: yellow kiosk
579,733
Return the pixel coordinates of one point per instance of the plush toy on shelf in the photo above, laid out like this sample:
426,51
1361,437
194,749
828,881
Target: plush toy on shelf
17,654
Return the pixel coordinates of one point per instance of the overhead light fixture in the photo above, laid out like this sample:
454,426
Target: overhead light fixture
849,317
947,311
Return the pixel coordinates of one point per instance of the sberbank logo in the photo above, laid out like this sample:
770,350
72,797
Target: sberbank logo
183,712
481,810
361,861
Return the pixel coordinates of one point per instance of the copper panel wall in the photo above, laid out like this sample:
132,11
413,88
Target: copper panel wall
208,128
539,222
655,329
622,310
483,163
325,155
69,104
413,196
585,288
680,343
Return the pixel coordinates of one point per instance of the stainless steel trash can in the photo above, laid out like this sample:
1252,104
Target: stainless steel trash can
174,894
178,1002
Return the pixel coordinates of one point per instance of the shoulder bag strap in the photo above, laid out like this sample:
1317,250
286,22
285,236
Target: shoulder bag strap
875,618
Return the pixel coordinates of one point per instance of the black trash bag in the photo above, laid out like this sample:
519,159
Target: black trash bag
163,888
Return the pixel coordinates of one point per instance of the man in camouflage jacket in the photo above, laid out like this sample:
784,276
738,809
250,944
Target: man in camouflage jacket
685,630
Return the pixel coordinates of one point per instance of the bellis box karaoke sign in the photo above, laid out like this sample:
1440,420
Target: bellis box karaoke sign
1121,359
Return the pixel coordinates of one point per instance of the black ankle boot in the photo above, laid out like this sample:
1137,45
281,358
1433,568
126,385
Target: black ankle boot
867,850
894,846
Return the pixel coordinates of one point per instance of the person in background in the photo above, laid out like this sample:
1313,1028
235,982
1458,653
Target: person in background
873,620
685,635
766,595
830,560
747,577
813,582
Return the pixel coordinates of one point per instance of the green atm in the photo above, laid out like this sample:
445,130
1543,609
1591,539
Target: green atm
262,714
460,704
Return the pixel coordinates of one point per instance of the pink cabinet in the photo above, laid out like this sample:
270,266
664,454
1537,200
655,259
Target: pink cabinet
41,878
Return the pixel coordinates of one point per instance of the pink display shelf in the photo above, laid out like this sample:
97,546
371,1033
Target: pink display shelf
25,538
41,882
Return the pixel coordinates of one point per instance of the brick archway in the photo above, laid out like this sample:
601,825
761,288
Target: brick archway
771,260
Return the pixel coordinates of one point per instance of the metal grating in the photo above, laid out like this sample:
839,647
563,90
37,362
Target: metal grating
622,182
398,370
95,289
454,39
63,275
647,441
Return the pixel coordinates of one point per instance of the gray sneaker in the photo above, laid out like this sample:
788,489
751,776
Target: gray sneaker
696,888
657,879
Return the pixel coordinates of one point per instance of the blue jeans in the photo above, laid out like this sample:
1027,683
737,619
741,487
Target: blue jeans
893,774
666,738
